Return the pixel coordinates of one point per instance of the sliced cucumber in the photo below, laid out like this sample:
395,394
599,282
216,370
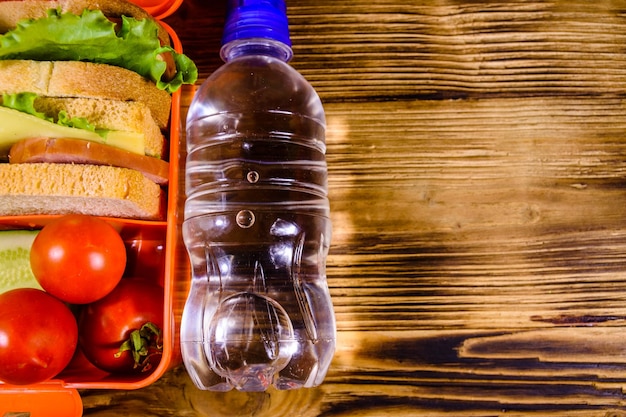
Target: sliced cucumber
15,271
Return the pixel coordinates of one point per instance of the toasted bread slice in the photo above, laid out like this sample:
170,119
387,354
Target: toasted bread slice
128,116
76,79
12,12
43,188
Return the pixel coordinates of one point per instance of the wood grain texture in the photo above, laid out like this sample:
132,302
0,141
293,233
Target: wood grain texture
477,163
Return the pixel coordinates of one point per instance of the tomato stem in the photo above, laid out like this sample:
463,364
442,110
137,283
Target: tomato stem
143,344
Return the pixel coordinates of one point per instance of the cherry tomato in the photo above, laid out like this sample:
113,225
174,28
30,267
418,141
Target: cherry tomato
78,259
121,333
38,336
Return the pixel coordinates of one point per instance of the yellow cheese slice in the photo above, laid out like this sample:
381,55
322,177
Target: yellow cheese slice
16,125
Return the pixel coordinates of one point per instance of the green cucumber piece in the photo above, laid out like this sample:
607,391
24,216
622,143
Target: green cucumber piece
15,271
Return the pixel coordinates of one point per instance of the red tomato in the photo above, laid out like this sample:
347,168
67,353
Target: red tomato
78,259
106,328
146,258
38,336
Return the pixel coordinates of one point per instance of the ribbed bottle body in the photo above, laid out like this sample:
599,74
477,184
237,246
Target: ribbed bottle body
257,230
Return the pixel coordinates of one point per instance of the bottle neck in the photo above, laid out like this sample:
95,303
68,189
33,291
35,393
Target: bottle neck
256,46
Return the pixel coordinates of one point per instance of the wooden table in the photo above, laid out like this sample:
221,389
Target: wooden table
477,162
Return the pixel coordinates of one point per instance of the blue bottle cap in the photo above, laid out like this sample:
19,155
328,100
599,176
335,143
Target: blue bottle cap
256,19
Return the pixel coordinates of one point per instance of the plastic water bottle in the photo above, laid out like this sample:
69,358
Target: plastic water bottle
256,222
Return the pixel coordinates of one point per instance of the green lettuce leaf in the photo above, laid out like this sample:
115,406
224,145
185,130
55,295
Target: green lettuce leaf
92,37
25,102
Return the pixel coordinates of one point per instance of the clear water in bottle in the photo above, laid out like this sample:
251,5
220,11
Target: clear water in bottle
257,227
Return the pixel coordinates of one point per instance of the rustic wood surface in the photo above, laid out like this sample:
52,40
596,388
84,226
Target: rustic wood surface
477,162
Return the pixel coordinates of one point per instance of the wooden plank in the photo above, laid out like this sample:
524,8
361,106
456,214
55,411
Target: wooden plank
376,50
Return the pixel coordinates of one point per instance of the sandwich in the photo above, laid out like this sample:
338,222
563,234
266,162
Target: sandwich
85,101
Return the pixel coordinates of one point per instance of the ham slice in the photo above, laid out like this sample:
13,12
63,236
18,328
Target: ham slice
76,151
